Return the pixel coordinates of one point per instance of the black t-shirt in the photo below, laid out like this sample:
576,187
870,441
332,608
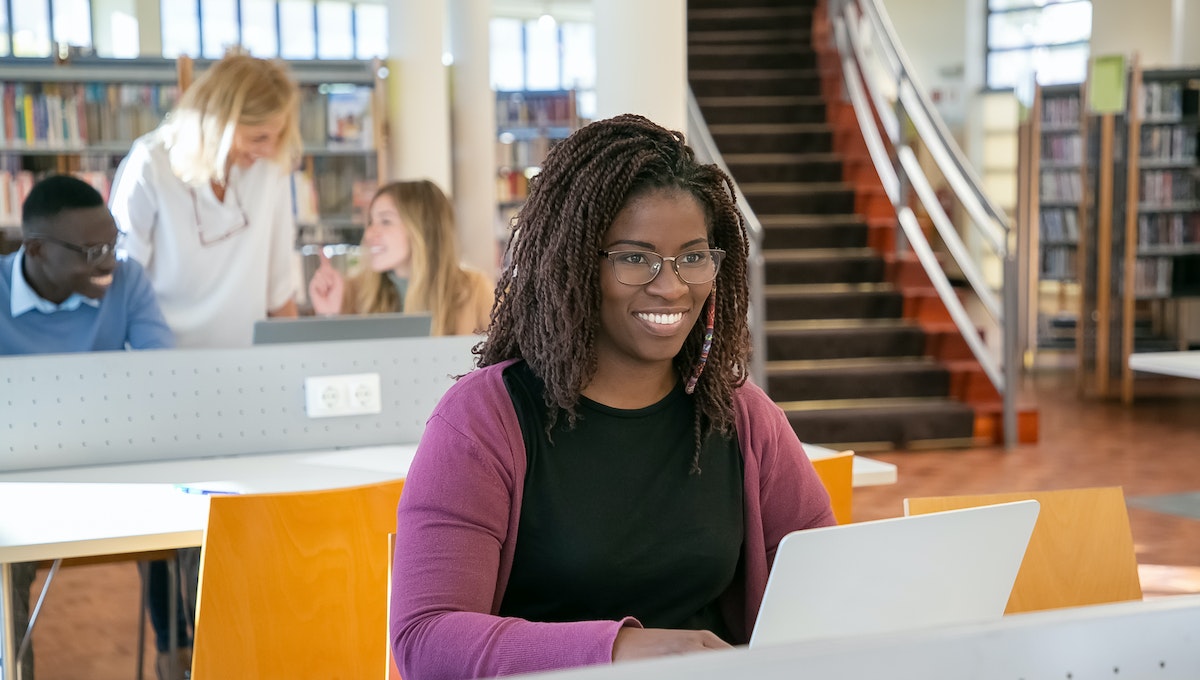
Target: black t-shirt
612,523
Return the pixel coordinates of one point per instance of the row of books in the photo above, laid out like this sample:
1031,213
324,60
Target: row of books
512,186
1152,277
15,187
1161,188
337,116
1058,264
1060,110
1060,186
535,109
1168,99
1169,143
1169,230
1062,148
522,153
1060,225
75,115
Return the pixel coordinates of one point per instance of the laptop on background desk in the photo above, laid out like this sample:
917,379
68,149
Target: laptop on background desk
891,575
342,327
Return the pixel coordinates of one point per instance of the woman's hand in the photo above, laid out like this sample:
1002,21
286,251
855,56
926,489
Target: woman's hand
326,288
644,643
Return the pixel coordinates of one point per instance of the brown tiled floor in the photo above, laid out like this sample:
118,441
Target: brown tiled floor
1152,447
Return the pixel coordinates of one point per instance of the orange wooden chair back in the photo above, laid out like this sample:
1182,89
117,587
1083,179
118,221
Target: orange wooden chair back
290,584
837,474
1080,553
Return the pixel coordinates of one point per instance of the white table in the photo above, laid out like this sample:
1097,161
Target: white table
866,471
1180,364
141,507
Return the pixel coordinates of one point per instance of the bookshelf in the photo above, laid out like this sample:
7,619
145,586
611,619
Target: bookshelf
1060,208
1147,256
528,124
82,116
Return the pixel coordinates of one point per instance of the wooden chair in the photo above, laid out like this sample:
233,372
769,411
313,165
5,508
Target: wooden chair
837,474
1080,553
290,584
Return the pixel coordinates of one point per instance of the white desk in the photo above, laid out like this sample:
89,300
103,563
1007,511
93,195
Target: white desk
131,508
866,472
1180,364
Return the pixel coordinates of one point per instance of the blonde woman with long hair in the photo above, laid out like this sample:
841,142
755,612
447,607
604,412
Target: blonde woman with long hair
409,263
204,202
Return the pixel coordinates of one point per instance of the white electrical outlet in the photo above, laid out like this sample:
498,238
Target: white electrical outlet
328,396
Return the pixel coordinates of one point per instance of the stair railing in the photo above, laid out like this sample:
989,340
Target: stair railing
880,85
702,143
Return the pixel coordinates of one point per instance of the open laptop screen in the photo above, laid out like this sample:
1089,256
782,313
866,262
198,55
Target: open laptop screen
890,575
343,327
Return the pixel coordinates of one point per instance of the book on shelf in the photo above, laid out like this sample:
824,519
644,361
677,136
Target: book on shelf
349,122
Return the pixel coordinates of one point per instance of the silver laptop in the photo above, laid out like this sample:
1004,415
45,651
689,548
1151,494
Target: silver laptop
890,575
343,327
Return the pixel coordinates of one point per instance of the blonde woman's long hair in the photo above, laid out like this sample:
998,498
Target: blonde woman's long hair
437,282
238,89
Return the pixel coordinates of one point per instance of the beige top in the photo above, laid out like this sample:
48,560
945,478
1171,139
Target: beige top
474,306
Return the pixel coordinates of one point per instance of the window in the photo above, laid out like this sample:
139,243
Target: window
30,28
1042,39
538,54
290,29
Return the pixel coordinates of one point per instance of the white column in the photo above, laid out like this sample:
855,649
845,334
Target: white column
418,92
474,133
641,60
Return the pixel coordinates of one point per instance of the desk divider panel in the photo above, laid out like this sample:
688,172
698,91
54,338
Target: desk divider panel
122,407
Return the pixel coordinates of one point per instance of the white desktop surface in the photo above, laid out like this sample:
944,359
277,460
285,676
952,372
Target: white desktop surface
115,509
867,471
1181,364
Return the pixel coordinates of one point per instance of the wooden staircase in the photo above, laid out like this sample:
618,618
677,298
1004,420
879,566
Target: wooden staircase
860,351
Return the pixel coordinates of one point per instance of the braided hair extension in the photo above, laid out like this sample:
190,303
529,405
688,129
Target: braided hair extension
547,310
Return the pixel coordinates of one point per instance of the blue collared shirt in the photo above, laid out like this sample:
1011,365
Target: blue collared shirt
126,317
25,299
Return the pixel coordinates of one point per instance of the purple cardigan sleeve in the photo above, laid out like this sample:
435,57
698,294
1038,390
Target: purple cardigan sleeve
460,503
783,494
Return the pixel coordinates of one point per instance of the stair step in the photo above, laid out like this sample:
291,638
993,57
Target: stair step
897,423
809,198
833,301
874,378
740,56
734,110
840,265
812,339
754,82
812,231
755,18
775,36
817,168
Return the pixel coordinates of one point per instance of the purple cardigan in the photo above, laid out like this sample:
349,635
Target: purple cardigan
457,529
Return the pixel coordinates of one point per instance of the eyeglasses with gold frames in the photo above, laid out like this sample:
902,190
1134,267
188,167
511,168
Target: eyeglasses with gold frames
639,267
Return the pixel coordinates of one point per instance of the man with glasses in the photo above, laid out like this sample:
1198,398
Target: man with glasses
66,290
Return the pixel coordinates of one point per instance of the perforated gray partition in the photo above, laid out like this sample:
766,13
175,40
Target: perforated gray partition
121,407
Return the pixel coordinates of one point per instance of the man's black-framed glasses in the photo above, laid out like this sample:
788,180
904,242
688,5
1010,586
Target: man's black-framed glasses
639,267
94,254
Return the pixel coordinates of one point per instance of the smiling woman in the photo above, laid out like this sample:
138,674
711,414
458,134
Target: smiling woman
606,485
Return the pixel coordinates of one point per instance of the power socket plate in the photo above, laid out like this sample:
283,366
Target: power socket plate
330,396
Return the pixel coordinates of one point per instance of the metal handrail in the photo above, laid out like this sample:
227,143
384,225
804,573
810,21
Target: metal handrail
706,150
867,99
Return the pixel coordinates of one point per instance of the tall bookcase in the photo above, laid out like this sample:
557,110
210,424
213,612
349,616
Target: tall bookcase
528,123
81,117
1057,196
1145,267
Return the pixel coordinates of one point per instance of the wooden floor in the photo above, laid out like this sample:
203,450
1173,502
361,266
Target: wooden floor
1150,448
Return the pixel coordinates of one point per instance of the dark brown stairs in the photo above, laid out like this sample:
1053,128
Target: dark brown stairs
845,359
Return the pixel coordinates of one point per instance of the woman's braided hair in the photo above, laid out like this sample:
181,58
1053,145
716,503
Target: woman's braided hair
548,298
